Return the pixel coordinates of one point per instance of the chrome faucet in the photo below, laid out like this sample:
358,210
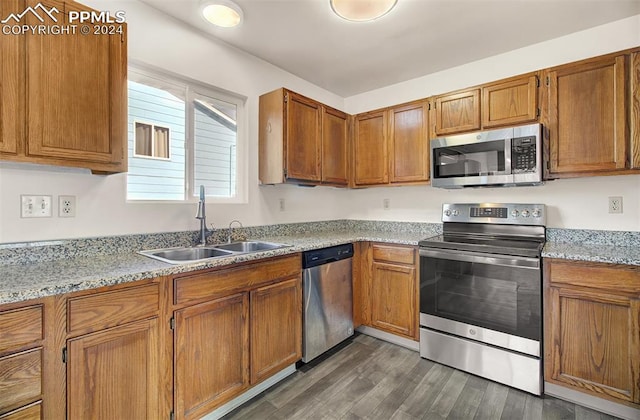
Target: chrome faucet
230,232
203,218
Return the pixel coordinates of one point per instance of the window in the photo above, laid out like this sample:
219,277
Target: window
183,134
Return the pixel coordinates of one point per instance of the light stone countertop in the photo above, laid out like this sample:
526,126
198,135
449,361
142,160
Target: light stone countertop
40,271
604,253
20,282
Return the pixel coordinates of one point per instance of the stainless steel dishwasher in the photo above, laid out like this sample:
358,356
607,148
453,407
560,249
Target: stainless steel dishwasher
328,299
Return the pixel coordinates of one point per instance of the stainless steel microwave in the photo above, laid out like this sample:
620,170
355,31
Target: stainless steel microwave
503,157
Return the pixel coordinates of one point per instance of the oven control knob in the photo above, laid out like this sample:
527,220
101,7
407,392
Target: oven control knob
514,213
455,212
525,213
447,212
536,213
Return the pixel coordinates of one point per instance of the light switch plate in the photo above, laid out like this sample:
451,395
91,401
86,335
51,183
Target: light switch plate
35,206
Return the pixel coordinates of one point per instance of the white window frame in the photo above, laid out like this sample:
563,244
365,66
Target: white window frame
153,143
194,89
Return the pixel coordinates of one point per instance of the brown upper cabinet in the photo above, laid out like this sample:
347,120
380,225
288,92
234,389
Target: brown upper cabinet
457,112
506,102
586,115
301,140
76,114
370,150
510,101
391,145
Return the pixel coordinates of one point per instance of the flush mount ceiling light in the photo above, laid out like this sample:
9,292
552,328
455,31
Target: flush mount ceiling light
362,10
223,13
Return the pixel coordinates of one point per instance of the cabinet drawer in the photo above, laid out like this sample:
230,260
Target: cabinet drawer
216,283
621,278
20,379
31,412
105,310
20,327
396,254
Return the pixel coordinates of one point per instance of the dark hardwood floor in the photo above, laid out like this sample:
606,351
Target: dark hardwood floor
373,379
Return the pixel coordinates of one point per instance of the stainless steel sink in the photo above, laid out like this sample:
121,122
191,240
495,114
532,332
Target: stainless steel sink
250,246
186,255
197,254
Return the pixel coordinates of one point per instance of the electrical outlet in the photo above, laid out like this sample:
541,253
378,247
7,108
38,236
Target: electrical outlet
67,206
282,206
615,205
386,204
35,206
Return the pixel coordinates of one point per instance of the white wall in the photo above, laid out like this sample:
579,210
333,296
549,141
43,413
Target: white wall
573,203
158,40
163,42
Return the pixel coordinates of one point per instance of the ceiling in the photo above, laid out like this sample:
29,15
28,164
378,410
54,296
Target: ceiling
417,38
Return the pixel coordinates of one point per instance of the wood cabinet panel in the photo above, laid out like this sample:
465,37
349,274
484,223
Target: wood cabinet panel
393,299
104,310
587,114
20,379
510,102
457,112
12,83
371,162
115,373
394,254
206,285
304,141
409,143
592,334
77,108
634,119
276,328
31,412
335,147
211,354
21,327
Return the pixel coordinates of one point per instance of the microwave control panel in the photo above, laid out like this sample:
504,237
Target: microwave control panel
523,155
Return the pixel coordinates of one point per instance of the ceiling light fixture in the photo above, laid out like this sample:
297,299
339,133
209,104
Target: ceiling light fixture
362,10
223,13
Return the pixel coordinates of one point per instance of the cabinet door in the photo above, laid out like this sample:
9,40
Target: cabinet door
115,373
586,117
595,342
304,142
409,144
12,82
510,102
335,147
276,328
457,112
370,149
634,119
211,354
77,108
393,299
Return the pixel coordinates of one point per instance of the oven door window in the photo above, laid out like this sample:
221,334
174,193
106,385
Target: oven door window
497,297
485,158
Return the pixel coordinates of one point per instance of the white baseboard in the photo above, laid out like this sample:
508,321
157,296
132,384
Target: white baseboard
391,338
589,401
243,398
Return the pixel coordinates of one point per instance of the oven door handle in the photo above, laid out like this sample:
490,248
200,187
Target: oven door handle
482,258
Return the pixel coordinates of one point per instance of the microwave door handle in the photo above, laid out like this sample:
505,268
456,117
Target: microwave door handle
508,168
482,258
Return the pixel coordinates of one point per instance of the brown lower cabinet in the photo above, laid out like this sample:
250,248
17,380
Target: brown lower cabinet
386,289
234,328
592,328
150,349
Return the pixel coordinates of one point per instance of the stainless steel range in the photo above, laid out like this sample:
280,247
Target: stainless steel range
480,292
